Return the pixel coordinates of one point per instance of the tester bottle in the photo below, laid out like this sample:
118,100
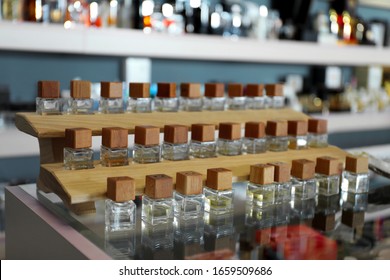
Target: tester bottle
236,98
255,98
114,149
166,100
355,177
139,98
175,146
260,190
277,136
190,97
203,143
328,175
282,179
147,147
229,140
80,93
48,101
111,100
275,98
255,141
214,97
77,149
318,133
297,132
304,185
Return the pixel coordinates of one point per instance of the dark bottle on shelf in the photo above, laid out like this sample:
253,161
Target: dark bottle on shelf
32,10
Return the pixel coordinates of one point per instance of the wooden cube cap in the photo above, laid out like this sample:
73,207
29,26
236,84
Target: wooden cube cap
139,90
297,127
214,90
324,222
114,137
189,183
356,164
176,134
303,169
230,131
262,174
120,189
158,186
282,172
219,179
351,218
49,89
327,166
111,89
318,126
254,90
80,89
190,90
276,128
203,132
235,90
254,129
78,138
274,89
147,135
166,90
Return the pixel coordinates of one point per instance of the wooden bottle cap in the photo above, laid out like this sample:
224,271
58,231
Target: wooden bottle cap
262,174
303,169
78,138
276,128
318,126
274,89
166,90
176,134
254,90
80,89
49,89
254,130
297,127
219,179
158,186
327,166
189,183
120,189
214,90
282,171
139,90
235,90
356,164
190,90
203,132
114,137
230,131
111,89
324,222
147,135
352,219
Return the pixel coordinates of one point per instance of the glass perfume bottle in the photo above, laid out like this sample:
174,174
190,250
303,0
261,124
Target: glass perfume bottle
157,202
175,145
139,100
317,133
147,147
188,195
277,136
236,98
120,211
111,101
297,132
328,175
218,191
77,149
355,177
254,141
255,98
166,100
48,101
282,179
114,150
275,98
80,102
304,185
214,97
229,140
203,143
190,97
260,191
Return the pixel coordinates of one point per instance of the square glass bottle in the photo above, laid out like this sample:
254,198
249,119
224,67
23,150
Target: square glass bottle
81,101
77,148
317,133
275,98
147,147
304,185
254,141
236,98
114,150
277,135
157,202
297,133
175,146
282,179
190,97
328,175
111,100
166,100
255,98
229,140
214,97
48,101
203,143
355,177
139,98
260,191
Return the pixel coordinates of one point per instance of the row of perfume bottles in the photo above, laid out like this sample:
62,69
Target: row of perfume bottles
253,96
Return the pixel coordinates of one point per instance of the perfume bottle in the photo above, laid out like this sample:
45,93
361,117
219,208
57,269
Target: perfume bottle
146,144
275,98
304,185
260,191
111,101
157,202
166,100
80,102
255,98
255,141
48,101
114,151
328,175
236,100
218,191
175,146
214,97
297,132
203,141
120,211
277,136
355,177
229,140
190,98
282,179
139,100
188,195
77,149
317,133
